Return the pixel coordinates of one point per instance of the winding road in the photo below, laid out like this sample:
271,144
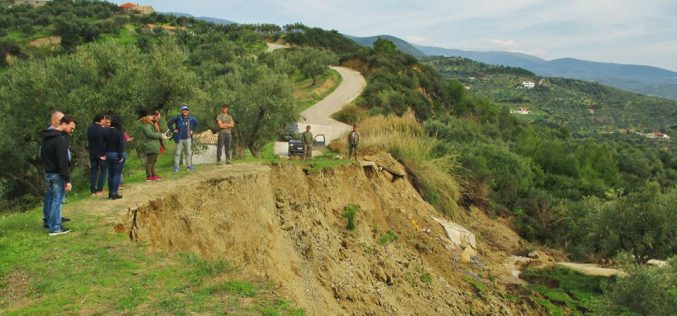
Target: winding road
318,116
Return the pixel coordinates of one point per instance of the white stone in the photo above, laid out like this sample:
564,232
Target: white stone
457,234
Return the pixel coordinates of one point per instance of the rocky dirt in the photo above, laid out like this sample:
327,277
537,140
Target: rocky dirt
285,224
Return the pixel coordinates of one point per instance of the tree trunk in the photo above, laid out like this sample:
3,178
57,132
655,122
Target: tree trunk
255,151
251,142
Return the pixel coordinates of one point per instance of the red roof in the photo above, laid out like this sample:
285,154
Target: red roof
127,5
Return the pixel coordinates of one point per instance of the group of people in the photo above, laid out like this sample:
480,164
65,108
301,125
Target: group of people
106,138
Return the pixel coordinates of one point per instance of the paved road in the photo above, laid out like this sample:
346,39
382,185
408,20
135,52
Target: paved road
318,115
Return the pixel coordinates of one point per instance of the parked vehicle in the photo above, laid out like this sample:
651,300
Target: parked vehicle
296,145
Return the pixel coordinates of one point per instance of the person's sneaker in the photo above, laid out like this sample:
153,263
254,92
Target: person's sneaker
61,231
65,219
157,177
190,168
176,168
229,162
219,162
115,197
149,178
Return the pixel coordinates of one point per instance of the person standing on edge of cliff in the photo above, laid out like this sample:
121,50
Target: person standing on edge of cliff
225,123
307,138
183,126
55,163
353,141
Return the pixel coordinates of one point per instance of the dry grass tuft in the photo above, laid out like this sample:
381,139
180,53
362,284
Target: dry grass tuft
433,175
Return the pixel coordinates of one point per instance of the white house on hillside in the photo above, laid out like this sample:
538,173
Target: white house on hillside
528,84
521,110
657,135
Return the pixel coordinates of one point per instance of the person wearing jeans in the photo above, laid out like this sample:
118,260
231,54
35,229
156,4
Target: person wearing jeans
225,123
97,156
114,140
183,126
56,163
116,164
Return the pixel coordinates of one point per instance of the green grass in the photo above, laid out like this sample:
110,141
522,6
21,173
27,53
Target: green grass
387,238
94,270
479,286
16,36
126,35
306,94
564,289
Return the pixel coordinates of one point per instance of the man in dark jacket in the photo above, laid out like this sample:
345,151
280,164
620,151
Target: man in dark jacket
55,162
97,155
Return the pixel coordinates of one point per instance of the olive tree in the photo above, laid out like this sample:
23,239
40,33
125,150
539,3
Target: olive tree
261,102
105,77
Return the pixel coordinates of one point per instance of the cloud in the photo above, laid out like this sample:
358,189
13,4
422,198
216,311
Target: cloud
504,44
420,40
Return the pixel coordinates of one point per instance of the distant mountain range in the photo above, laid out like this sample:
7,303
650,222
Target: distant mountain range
635,78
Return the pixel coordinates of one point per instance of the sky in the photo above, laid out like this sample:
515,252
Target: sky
619,31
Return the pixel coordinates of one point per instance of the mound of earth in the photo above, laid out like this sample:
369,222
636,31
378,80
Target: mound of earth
286,225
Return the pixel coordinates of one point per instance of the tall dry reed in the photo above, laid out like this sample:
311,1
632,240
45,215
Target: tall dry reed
433,174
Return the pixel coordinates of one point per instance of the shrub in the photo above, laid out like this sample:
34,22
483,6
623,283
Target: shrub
387,237
641,223
350,114
349,213
646,291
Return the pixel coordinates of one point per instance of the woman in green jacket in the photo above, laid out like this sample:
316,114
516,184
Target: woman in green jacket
151,144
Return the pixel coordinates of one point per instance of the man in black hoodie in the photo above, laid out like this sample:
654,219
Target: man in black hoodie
55,162
97,154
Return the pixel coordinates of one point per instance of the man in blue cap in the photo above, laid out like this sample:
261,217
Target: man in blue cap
183,126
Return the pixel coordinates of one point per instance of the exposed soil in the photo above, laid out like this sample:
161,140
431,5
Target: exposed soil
282,224
46,41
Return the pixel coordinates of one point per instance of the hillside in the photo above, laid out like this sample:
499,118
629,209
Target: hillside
583,107
297,237
636,78
401,44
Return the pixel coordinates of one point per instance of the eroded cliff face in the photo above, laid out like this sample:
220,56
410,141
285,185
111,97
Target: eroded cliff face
282,224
